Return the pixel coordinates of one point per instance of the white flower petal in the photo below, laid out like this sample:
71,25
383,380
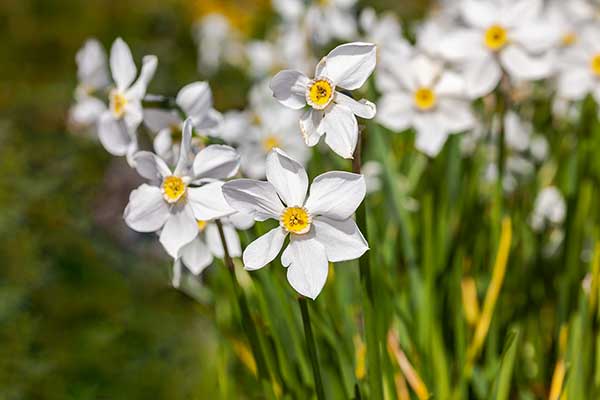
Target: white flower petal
363,108
138,90
195,99
196,256
520,65
480,14
213,240
113,134
146,211
256,198
395,111
341,130
311,127
336,194
208,202
308,266
455,115
134,115
289,88
157,119
575,83
216,162
241,221
264,249
163,144
342,239
536,37
180,229
519,12
463,45
482,76
86,111
150,166
349,65
430,134
185,149
122,66
288,177
426,71
450,84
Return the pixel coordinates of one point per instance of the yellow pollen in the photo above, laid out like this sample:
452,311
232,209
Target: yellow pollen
569,39
320,93
595,64
495,37
201,225
173,188
270,142
117,103
175,132
296,220
424,99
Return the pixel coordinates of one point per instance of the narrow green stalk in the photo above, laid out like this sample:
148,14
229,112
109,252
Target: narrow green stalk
247,322
374,373
312,348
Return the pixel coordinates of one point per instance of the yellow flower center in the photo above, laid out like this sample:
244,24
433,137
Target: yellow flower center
296,220
595,64
495,37
201,225
173,188
117,103
569,39
320,93
424,99
270,142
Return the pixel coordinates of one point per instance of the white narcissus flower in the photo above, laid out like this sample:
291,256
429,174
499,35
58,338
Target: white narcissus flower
117,125
330,112
169,203
504,35
550,209
218,42
92,75
331,19
321,227
428,98
580,67
199,253
195,100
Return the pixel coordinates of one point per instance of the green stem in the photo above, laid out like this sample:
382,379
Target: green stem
247,322
364,263
312,348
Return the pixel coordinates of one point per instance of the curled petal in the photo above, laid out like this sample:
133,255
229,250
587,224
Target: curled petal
256,198
288,177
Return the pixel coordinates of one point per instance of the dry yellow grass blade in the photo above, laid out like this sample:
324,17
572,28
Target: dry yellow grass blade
493,291
245,355
413,378
469,299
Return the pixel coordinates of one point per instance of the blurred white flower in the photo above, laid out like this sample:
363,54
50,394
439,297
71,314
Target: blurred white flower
168,203
199,253
331,113
321,227
117,125
509,36
331,19
580,67
549,210
429,98
372,172
218,42
92,75
195,101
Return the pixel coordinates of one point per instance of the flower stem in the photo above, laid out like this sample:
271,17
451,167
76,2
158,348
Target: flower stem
312,348
373,347
247,322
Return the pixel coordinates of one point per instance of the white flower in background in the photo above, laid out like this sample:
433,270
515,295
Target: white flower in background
92,75
331,19
200,252
330,112
195,100
271,126
509,36
218,42
117,125
428,98
580,67
550,209
321,227
169,203
372,171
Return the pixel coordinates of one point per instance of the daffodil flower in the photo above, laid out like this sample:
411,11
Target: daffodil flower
320,226
428,98
117,125
330,112
170,203
195,100
509,36
197,255
550,209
